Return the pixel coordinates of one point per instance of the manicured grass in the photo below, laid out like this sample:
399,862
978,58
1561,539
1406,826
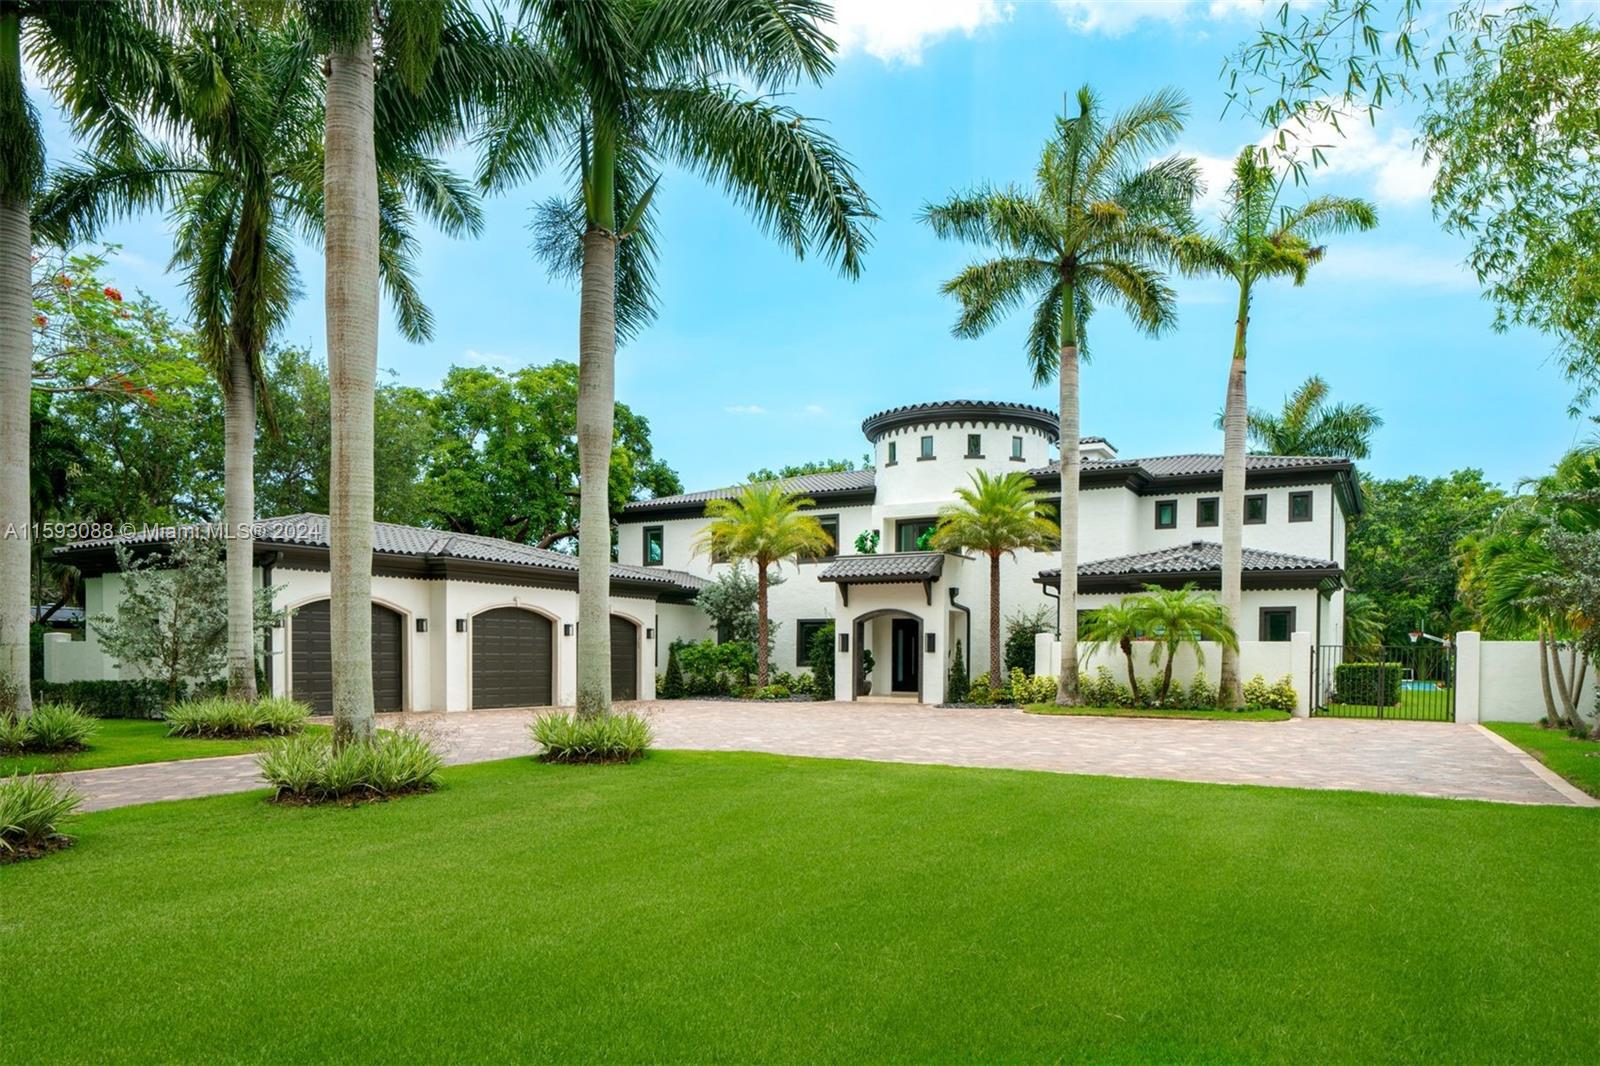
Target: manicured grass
740,908
1259,715
127,742
1415,705
1576,760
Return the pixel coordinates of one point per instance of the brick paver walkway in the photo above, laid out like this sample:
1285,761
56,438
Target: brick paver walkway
1414,758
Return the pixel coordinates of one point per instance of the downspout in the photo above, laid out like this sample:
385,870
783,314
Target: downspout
964,609
267,562
1056,595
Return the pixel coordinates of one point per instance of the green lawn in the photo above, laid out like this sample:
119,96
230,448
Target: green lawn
1576,760
1260,715
1415,705
743,908
126,742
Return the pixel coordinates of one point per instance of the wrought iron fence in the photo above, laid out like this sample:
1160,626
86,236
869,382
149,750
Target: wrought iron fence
1407,682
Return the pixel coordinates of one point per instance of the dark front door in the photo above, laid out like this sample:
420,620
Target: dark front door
511,659
624,659
311,657
905,673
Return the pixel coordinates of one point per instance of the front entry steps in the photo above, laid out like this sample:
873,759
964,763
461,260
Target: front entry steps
893,697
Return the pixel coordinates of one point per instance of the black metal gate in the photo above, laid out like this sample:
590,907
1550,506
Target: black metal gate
1407,682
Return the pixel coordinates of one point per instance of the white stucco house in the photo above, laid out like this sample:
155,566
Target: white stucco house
467,622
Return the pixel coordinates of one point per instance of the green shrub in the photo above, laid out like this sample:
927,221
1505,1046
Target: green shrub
671,685
31,809
712,669
566,738
1040,688
52,727
307,768
1367,684
1278,696
1020,630
773,692
1201,696
979,694
274,716
820,655
106,699
957,684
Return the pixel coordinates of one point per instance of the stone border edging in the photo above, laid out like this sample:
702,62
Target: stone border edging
1578,796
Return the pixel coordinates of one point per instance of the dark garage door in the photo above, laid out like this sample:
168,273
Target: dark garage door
624,659
511,659
311,662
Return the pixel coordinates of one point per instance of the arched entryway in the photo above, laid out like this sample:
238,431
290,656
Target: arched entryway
513,659
311,657
624,658
894,639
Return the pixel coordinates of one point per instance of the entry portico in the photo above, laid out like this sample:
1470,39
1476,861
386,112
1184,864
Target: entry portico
900,607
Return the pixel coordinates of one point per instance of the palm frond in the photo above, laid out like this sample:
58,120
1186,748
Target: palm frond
987,291
770,43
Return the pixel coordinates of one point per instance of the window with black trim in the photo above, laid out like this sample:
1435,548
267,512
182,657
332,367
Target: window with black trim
927,448
830,526
1206,510
1166,514
1299,506
654,541
1016,448
1277,624
974,445
805,630
1255,510
892,450
911,534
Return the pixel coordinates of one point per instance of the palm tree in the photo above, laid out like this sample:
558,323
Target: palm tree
98,60
1179,618
1364,623
1119,625
996,516
1258,240
239,172
618,87
1094,229
1309,425
765,525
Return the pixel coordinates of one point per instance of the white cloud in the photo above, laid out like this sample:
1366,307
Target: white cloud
1395,265
815,409
896,31
473,356
745,409
1113,18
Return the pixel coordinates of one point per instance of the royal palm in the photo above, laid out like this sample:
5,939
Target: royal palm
615,88
1258,240
997,516
1308,424
765,526
1095,229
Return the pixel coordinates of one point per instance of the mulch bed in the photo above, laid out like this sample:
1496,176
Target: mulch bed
349,799
27,852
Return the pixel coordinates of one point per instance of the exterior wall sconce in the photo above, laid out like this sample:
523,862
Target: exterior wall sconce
844,641
649,634
422,625
566,629
461,625
930,643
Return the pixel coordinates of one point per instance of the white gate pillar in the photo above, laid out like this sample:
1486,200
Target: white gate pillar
1469,659
1302,670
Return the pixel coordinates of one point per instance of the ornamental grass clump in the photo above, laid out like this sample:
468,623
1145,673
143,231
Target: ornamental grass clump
274,716
52,727
31,809
563,737
308,769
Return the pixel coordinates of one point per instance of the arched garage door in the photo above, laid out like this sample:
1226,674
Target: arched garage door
511,659
624,659
311,657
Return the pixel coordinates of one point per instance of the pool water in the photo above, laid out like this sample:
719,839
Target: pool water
1419,686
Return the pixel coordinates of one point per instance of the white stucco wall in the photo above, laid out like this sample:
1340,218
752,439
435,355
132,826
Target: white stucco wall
1272,660
1509,687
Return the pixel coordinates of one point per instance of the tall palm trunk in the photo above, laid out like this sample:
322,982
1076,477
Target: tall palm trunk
994,619
763,657
1067,681
1127,657
16,377
238,514
1230,692
1166,675
597,347
350,178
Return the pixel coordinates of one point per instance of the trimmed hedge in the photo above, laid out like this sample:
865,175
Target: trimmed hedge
1367,684
106,699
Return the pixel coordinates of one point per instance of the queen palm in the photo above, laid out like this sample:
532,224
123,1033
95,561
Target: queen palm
239,172
1308,424
617,87
997,515
766,526
1095,228
1116,625
1181,618
98,60
1258,240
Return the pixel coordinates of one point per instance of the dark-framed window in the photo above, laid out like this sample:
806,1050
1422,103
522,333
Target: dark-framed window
805,629
926,448
892,450
1206,511
909,531
654,545
830,526
1166,514
1016,449
1299,506
974,445
1277,624
1255,509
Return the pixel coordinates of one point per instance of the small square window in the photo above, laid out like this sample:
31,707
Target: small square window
1299,506
912,534
927,448
653,545
830,526
892,451
1205,511
1166,514
806,630
1255,510
1016,448
974,446
1277,624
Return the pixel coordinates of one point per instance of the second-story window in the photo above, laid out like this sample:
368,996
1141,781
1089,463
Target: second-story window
1016,448
1205,511
927,448
1255,510
1166,514
892,451
1299,506
830,526
653,550
974,446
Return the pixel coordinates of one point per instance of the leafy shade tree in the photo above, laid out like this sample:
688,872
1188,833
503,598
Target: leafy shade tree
1098,223
239,172
1180,618
1259,240
1021,628
1116,625
731,602
815,466
98,60
1363,626
1309,425
765,526
997,516
505,461
619,86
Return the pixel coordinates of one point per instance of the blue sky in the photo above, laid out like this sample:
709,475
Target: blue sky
757,359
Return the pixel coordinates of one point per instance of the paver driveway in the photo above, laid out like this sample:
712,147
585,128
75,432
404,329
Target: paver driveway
1415,758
